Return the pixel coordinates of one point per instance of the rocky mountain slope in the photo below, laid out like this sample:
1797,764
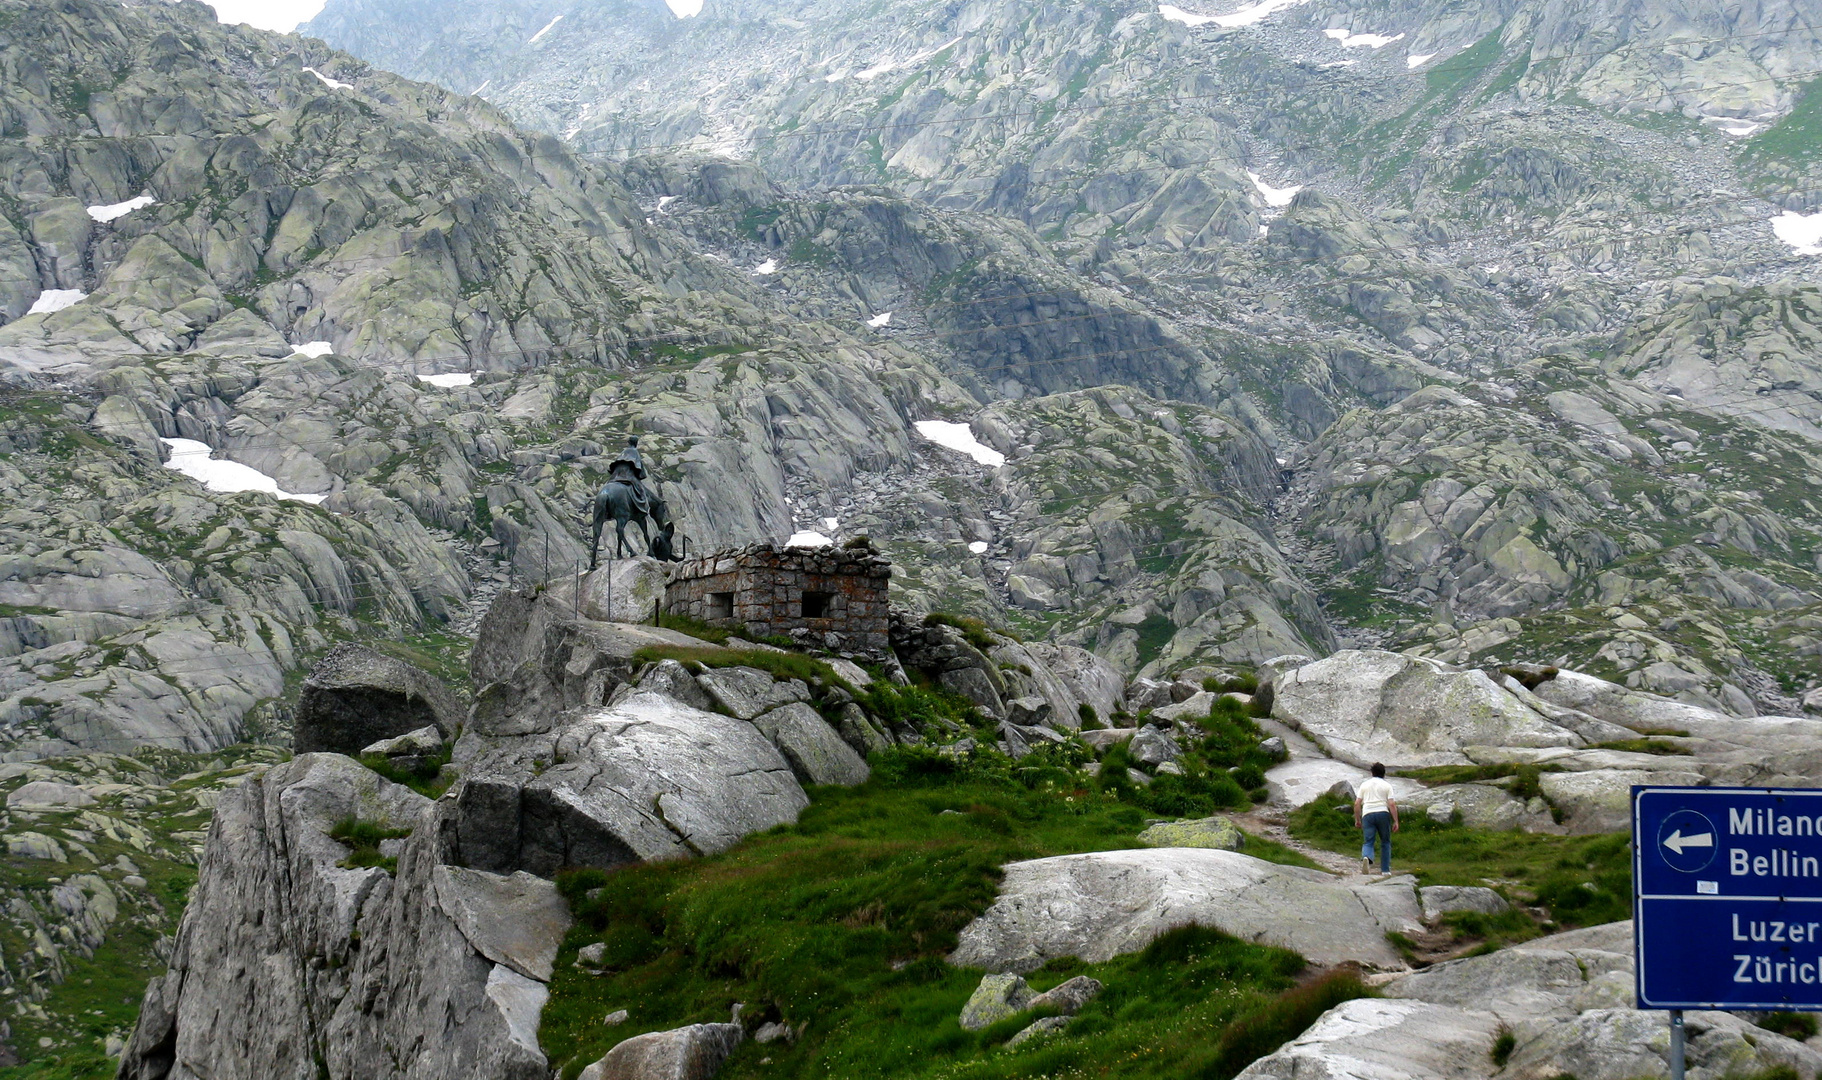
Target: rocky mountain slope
1323,208
1209,452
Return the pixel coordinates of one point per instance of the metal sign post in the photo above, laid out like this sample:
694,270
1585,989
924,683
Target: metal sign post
1726,901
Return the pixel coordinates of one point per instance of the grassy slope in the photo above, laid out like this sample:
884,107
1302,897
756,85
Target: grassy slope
838,925
1579,880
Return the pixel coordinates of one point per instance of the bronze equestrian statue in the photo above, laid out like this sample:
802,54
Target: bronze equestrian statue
626,497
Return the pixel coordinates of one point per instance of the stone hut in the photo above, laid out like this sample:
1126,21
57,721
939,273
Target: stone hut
827,597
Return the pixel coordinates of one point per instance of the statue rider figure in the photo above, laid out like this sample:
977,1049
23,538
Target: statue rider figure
629,469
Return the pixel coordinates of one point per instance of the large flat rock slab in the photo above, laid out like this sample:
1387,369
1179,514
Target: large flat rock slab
1104,904
1367,705
1750,751
1301,781
1373,1039
517,920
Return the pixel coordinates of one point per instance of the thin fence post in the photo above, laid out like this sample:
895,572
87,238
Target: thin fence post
1676,1044
575,598
610,584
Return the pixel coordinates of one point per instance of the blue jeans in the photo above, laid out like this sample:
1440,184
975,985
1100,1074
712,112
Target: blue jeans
1377,826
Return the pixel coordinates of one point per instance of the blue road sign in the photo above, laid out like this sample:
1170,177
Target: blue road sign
1727,898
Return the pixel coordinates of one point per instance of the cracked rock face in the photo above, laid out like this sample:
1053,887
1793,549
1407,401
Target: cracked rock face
647,778
356,696
277,995
459,940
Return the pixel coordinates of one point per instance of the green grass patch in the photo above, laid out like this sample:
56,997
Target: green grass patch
1154,634
1260,847
1580,880
1503,1044
425,777
1232,684
1491,932
782,665
363,839
840,924
972,628
1644,746
1791,1025
1794,140
696,628
757,218
1524,783
444,655
805,250
1224,770
922,709
82,1064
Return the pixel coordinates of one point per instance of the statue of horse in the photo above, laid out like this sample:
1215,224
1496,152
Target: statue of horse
619,501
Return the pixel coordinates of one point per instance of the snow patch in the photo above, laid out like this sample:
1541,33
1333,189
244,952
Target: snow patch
450,378
1178,15
1274,196
1803,232
333,84
892,65
884,318
960,438
1417,60
312,349
1246,16
477,90
1738,127
770,266
665,200
831,524
548,27
808,539
1351,40
192,459
56,300
120,209
979,547
684,9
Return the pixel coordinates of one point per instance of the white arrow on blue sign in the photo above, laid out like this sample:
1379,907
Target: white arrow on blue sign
1727,898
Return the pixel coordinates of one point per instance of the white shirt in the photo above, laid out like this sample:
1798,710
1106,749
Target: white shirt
1373,793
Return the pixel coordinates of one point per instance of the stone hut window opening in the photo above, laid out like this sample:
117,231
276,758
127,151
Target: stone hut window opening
816,604
720,605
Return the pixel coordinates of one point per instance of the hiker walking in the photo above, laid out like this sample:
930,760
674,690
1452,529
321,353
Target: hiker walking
1376,816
